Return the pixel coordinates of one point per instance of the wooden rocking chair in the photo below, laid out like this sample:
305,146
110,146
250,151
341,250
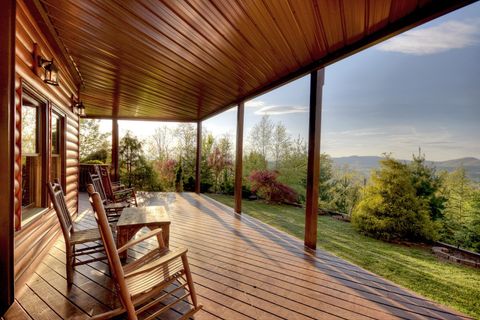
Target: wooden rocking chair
73,237
113,209
114,190
141,284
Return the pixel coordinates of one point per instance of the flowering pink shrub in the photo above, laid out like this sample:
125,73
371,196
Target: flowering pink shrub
264,183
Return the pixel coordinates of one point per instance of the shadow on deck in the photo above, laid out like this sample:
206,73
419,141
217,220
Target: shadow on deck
243,269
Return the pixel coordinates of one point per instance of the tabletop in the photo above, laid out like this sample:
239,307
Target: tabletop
143,216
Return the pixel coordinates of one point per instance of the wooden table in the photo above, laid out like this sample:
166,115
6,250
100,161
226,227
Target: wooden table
135,218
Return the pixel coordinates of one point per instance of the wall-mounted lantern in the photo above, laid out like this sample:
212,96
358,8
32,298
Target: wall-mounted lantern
77,107
50,69
80,109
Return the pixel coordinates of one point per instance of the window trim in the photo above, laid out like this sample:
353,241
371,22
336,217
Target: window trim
62,144
44,149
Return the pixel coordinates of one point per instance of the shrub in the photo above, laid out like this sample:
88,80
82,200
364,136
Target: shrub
99,155
390,208
264,183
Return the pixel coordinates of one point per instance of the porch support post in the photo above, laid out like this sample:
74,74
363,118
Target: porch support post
313,165
198,160
239,158
115,161
7,152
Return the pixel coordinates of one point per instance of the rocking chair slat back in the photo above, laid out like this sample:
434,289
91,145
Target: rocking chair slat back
98,186
58,199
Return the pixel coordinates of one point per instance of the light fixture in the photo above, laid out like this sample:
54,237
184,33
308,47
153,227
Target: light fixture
51,71
79,109
77,106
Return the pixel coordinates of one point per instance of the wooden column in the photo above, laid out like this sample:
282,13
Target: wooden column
7,109
198,160
115,142
239,158
313,165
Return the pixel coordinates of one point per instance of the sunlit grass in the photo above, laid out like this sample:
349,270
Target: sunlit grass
415,267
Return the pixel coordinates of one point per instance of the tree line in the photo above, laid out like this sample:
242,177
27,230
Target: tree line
398,201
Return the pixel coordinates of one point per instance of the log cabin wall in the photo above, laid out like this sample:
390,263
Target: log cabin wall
32,239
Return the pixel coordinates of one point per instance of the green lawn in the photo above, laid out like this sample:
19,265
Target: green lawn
415,268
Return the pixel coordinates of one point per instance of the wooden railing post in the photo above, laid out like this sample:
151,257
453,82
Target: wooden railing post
115,143
198,160
313,165
7,139
239,158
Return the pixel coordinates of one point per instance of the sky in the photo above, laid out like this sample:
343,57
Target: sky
418,89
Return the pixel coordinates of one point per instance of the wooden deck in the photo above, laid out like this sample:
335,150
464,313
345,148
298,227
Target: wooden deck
243,269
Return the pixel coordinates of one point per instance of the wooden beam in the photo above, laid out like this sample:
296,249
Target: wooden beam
115,143
7,138
198,160
313,165
239,158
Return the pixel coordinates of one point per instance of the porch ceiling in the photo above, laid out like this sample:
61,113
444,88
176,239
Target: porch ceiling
185,60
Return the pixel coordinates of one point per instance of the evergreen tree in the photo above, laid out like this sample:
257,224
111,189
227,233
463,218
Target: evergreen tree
427,185
390,208
130,151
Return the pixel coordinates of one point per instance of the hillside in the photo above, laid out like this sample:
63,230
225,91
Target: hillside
365,164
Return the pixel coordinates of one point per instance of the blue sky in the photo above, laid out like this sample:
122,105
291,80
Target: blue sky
419,89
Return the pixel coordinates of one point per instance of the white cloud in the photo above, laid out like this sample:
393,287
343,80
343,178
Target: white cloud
440,38
278,110
254,104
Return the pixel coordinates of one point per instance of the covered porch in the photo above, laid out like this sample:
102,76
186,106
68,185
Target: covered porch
243,269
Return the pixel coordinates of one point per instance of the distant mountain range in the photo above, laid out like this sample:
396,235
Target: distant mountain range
365,164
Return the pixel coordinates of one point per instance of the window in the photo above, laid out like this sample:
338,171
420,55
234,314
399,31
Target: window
33,156
56,167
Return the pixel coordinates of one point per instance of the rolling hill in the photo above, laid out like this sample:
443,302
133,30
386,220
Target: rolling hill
365,164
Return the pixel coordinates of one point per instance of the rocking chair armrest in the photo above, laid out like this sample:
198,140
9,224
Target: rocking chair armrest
125,191
152,233
171,255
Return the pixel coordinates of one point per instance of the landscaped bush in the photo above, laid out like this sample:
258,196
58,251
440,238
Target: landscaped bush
264,183
391,209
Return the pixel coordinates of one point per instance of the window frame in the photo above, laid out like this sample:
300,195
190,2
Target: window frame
62,143
43,150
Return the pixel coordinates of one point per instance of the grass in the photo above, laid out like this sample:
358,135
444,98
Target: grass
414,267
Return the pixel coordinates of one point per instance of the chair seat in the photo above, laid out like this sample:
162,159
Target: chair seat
82,236
116,206
152,272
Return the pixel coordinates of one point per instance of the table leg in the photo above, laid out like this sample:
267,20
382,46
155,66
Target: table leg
122,239
166,235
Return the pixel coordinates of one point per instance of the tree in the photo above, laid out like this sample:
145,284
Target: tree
166,170
206,181
390,208
427,185
280,144
92,140
473,230
346,190
261,137
293,167
459,208
325,182
159,144
186,136
130,151
264,183
253,161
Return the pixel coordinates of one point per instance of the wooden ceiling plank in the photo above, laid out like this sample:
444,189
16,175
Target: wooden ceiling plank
149,45
174,18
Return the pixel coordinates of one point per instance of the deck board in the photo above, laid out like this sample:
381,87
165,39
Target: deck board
242,268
